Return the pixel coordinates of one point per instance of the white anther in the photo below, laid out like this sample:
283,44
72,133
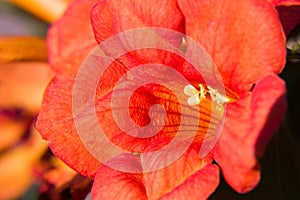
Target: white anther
195,96
190,90
216,96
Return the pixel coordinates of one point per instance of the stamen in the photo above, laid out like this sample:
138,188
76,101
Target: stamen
203,91
217,97
190,90
196,96
194,100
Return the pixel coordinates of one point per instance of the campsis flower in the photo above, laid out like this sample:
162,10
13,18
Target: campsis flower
246,42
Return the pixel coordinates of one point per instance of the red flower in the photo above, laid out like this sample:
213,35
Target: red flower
245,41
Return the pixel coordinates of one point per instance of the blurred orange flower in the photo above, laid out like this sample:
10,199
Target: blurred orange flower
44,9
21,89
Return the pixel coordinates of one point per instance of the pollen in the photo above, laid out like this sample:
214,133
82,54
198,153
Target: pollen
196,96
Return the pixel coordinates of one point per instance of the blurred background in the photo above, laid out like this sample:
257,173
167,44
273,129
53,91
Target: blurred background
28,169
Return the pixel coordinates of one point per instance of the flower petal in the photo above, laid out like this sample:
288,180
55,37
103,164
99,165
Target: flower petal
172,179
71,38
201,185
115,16
273,87
56,124
195,176
249,124
241,37
113,184
112,17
